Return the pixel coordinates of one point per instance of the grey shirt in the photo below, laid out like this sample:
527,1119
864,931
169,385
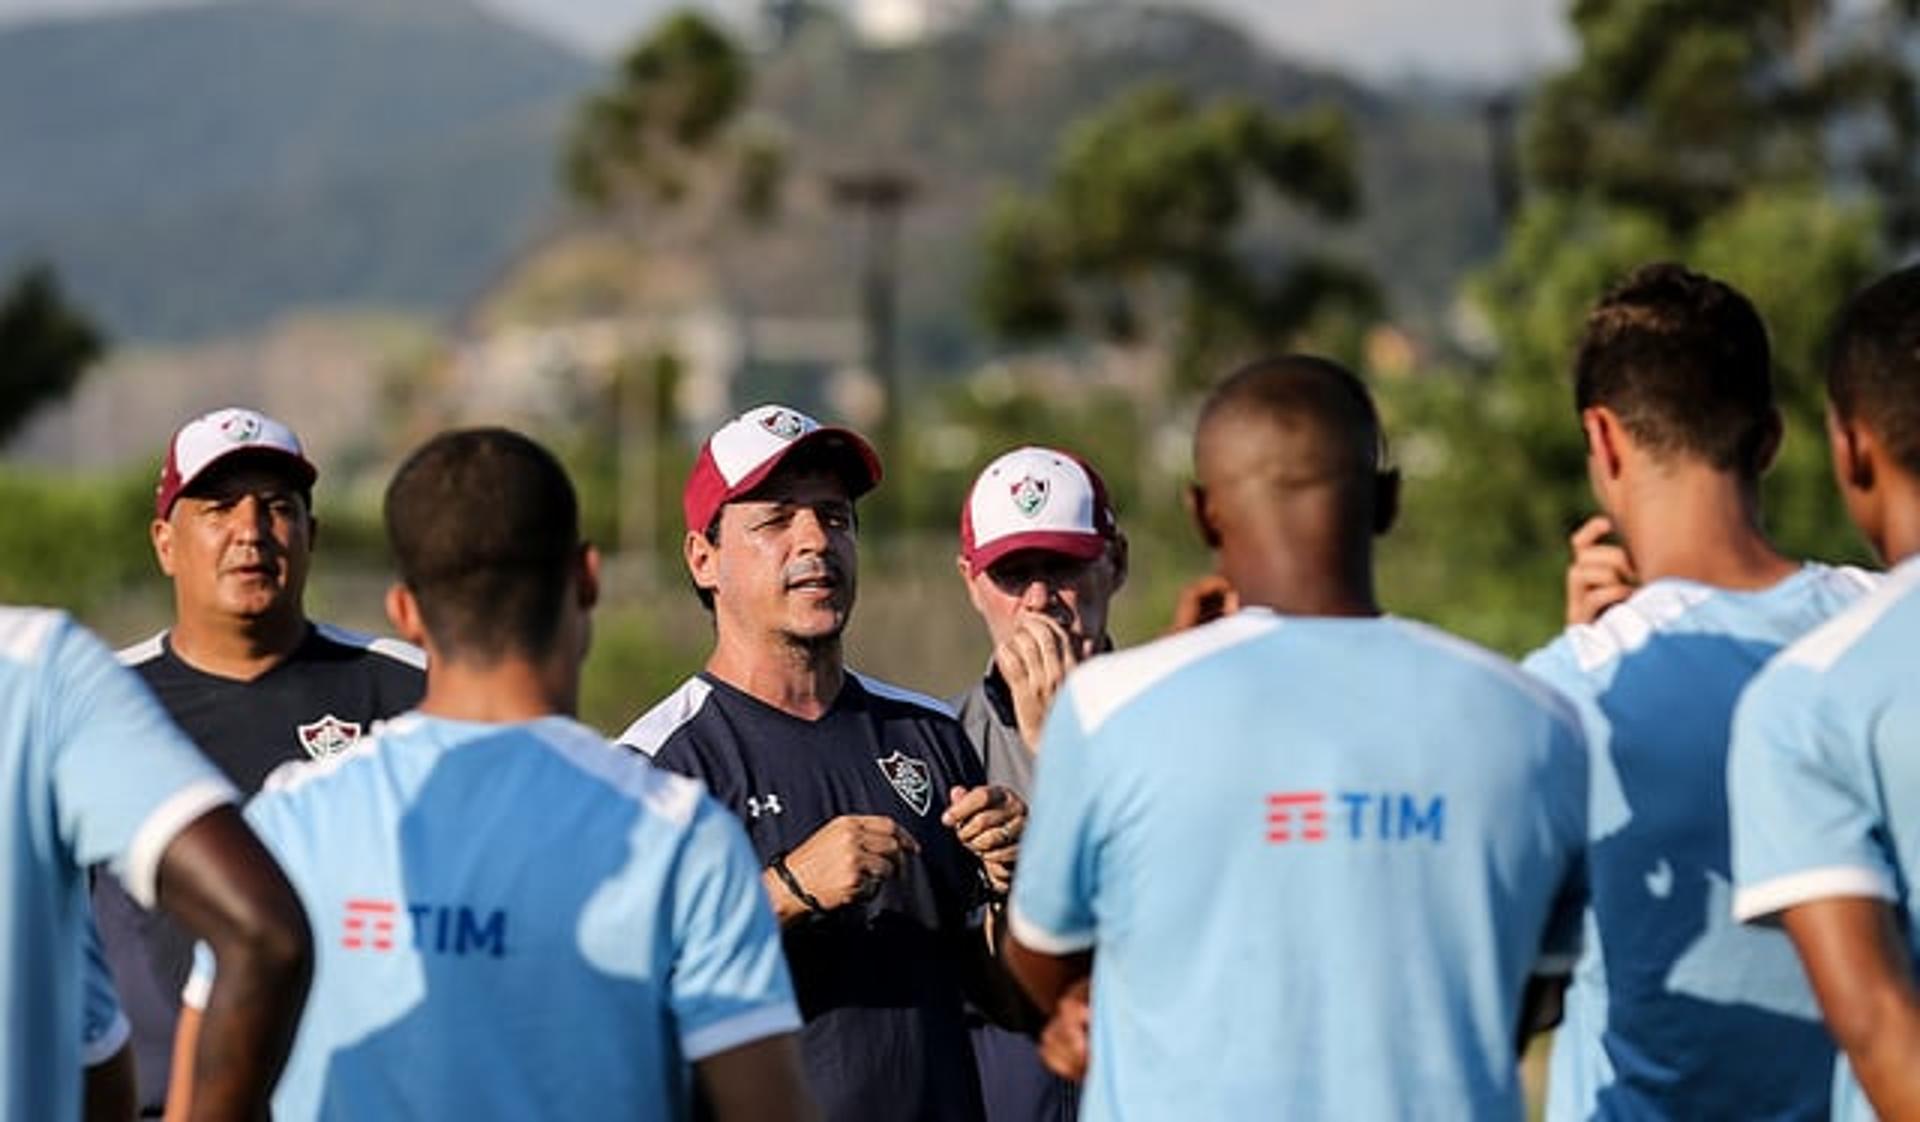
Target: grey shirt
986,712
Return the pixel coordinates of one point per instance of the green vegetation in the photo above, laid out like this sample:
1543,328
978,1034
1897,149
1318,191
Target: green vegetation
45,345
77,545
1139,238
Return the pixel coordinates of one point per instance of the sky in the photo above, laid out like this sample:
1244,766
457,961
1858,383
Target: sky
1478,41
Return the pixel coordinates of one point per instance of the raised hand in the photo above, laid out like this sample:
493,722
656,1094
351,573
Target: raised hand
1034,661
989,821
1600,574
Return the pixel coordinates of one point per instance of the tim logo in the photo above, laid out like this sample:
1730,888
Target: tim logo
1029,495
1317,816
758,805
370,925
910,778
328,736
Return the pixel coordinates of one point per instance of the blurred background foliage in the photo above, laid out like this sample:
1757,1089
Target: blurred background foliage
1100,236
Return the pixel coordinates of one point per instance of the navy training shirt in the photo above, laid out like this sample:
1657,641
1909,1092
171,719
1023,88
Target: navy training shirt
317,702
879,983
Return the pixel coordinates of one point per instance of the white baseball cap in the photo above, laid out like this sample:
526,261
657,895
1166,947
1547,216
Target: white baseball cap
212,437
745,450
1035,498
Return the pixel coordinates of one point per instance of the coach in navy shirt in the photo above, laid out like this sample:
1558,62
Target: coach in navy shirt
885,849
243,671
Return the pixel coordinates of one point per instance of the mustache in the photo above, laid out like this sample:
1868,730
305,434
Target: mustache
812,569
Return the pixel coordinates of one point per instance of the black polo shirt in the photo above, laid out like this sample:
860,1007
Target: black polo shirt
325,696
879,983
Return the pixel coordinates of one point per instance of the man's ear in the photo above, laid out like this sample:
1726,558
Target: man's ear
1202,517
1768,449
703,560
1854,449
403,611
160,533
967,578
587,578
1118,555
1604,439
1386,500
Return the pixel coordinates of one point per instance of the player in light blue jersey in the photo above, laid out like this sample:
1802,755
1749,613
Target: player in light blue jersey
91,771
516,920
1672,1000
1312,855
1825,773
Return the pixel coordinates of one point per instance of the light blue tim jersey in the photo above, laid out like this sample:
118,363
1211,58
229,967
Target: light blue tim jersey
514,921
1824,780
1672,1000
1316,861
90,770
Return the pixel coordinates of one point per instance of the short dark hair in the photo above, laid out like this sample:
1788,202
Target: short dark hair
1873,363
484,527
1683,360
1312,388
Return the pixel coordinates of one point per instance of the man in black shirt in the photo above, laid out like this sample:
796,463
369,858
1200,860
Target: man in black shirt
883,843
252,681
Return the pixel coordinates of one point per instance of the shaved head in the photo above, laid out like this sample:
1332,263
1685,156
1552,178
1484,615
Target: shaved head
1294,421
1290,486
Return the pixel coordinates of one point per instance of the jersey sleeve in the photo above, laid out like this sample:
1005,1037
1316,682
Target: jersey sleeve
125,780
104,1028
729,983
1054,884
1800,791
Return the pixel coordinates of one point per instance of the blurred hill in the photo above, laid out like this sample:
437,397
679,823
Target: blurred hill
196,171
202,171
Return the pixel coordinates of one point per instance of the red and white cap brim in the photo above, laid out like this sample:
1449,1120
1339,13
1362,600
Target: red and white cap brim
1035,499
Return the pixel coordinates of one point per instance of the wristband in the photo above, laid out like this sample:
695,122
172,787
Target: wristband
779,867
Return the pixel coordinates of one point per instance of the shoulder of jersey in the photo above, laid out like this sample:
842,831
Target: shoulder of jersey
404,653
1495,665
146,650
24,631
887,691
1105,685
1826,644
672,796
1628,625
651,730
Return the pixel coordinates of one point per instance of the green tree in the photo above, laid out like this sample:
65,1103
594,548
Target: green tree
46,344
670,130
1146,236
1680,107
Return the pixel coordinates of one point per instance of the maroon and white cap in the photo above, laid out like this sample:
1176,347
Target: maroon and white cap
212,437
745,450
1035,498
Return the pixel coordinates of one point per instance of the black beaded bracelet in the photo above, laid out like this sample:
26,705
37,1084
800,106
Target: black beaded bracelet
779,867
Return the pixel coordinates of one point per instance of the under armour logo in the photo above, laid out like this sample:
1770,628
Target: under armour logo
758,805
